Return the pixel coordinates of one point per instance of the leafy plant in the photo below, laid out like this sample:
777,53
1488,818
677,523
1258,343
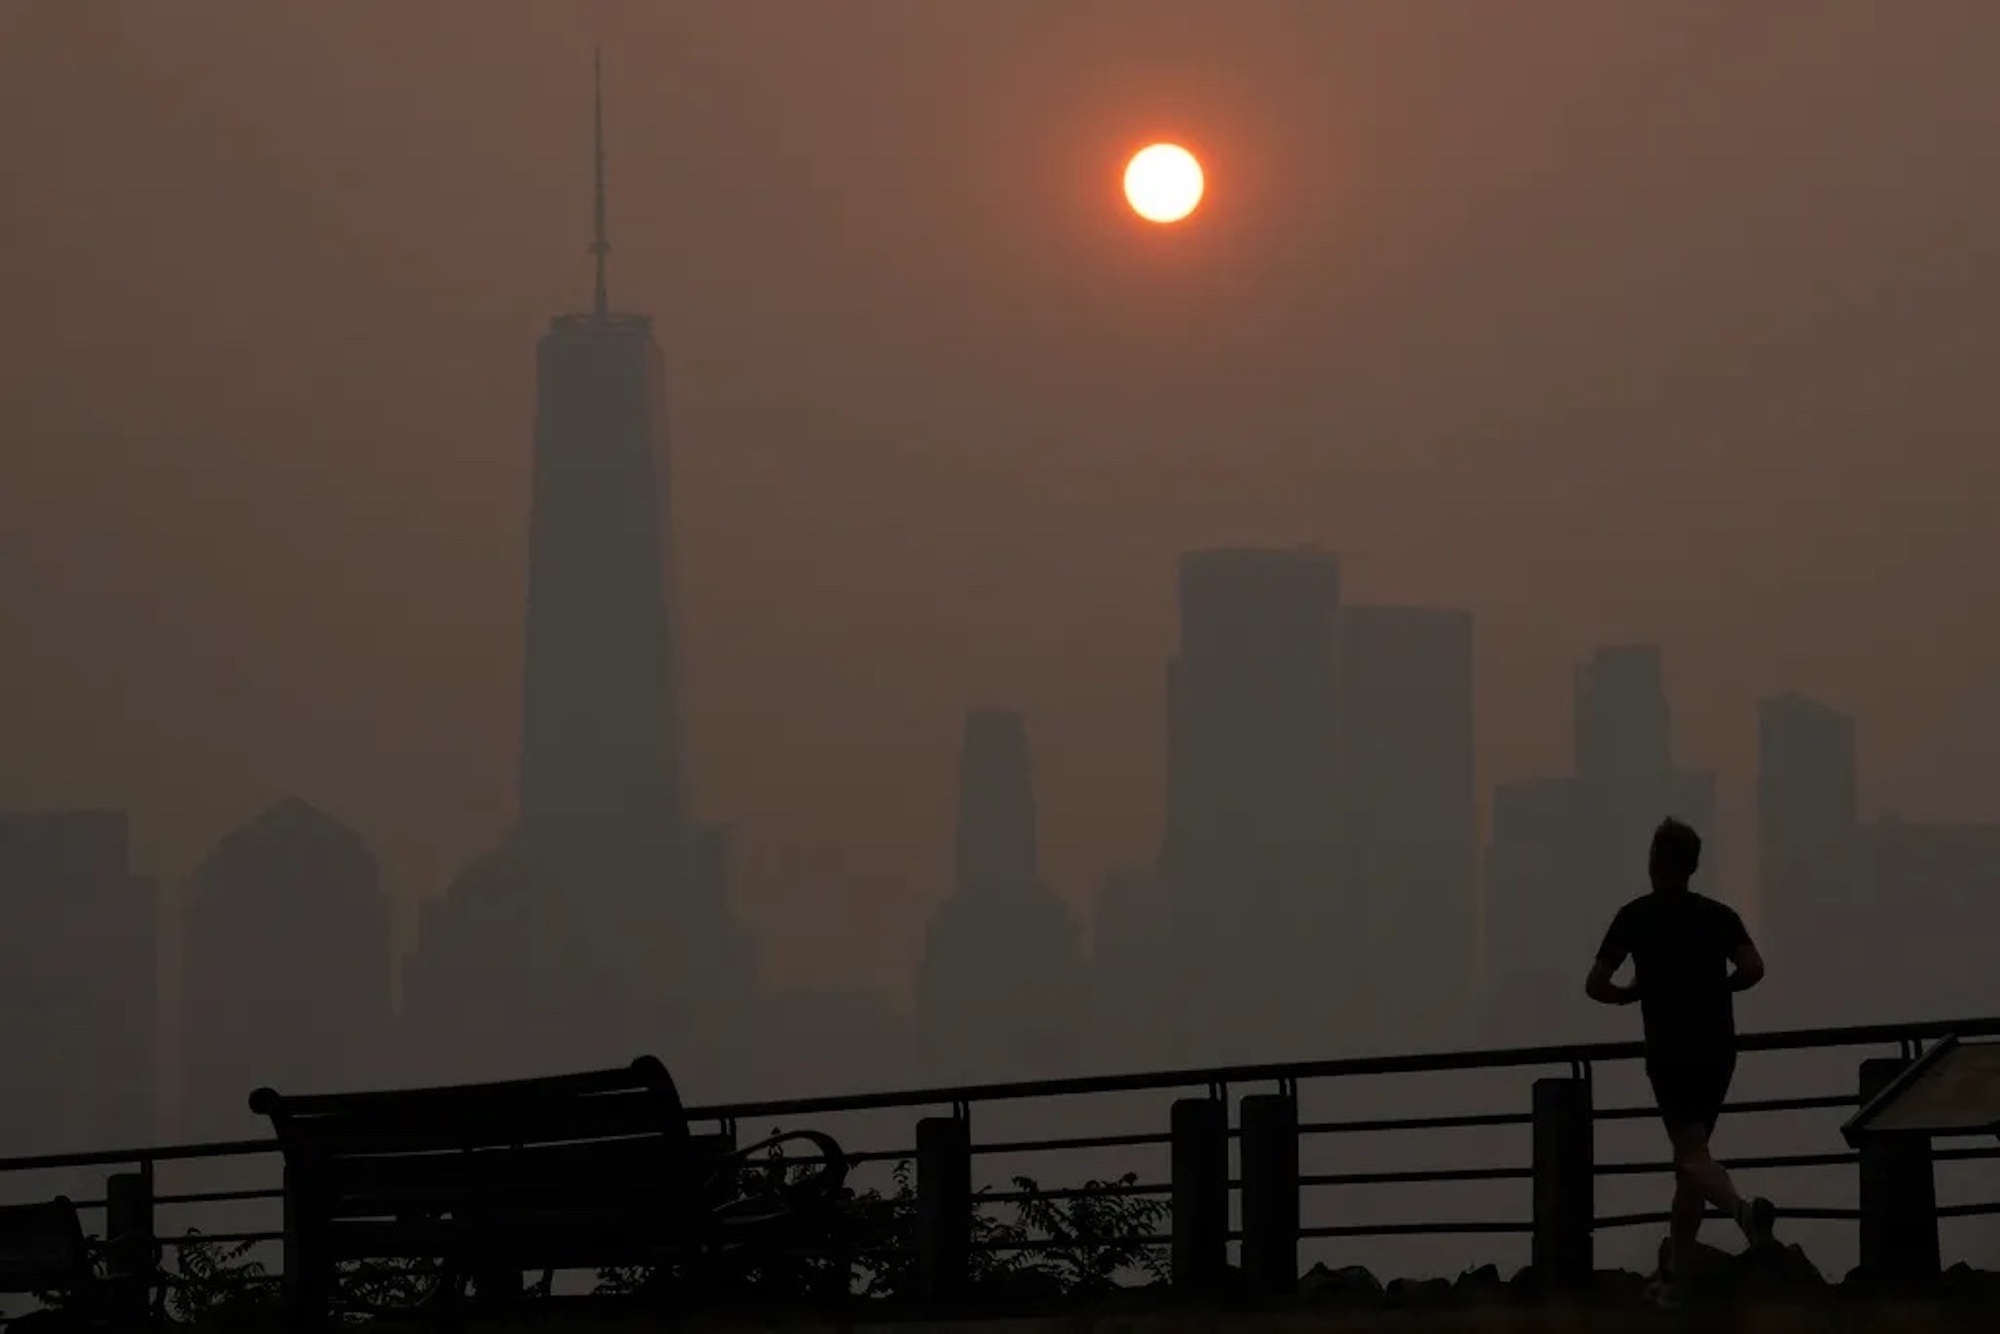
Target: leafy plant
1077,1243
209,1277
1085,1241
213,1280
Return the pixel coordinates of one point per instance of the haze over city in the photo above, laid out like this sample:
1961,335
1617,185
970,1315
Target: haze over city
1648,338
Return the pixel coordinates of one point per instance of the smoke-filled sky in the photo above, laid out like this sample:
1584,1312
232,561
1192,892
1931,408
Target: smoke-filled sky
1608,322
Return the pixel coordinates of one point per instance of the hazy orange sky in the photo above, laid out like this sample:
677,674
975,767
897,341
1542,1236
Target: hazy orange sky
1606,321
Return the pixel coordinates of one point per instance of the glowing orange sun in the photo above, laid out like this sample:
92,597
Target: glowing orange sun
1163,183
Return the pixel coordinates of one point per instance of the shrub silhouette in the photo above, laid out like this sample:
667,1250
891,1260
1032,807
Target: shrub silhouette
1073,1242
1033,1242
213,1281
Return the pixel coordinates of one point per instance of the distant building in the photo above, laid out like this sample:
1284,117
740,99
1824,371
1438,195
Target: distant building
79,985
834,1040
503,984
1568,851
1000,987
1923,950
1624,730
1134,999
287,967
1410,857
1251,851
1811,875
1545,913
636,887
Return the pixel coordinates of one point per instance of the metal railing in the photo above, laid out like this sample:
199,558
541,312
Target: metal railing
1576,1062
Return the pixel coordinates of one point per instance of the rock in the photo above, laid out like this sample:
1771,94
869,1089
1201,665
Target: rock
1962,1278
1350,1285
1480,1285
1776,1270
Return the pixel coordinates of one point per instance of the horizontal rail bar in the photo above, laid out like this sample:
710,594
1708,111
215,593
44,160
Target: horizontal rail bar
1830,1102
1418,1176
1574,1055
1048,1244
219,1238
1609,1221
161,1153
220,1196
1101,1191
1801,1039
1467,1228
1462,1122
1771,1162
1079,1142
1969,1210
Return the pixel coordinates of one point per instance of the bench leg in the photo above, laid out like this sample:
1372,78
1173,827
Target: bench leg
309,1276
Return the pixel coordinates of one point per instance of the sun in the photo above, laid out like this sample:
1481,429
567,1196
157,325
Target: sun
1163,183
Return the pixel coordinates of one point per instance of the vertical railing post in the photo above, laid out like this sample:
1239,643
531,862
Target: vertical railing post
131,1260
1270,1157
944,1207
308,1276
1898,1196
1565,1182
1200,1218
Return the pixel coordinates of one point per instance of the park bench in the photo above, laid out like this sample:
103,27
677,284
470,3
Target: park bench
489,1181
43,1252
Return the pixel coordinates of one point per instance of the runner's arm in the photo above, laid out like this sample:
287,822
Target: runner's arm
1746,964
1749,967
1600,988
1611,956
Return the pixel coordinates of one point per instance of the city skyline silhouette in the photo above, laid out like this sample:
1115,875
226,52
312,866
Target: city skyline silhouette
899,620
961,551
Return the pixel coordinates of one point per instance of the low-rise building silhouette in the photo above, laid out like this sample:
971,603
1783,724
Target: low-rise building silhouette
79,984
1924,882
287,967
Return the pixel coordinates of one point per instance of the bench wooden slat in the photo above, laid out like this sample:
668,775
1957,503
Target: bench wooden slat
651,1169
640,1073
396,1123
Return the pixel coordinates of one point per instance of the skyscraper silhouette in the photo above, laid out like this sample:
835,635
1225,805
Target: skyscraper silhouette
1135,995
1809,855
1251,846
1000,989
1567,851
607,899
600,761
1409,855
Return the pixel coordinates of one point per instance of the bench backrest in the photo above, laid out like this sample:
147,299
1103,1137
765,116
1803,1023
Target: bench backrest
611,1142
42,1248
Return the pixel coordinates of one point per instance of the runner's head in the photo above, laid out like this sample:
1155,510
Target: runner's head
1675,855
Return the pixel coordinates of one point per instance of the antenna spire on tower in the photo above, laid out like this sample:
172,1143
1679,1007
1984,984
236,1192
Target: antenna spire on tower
601,245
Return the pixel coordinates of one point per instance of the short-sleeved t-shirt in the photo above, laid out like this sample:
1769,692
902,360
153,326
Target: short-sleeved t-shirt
1680,944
